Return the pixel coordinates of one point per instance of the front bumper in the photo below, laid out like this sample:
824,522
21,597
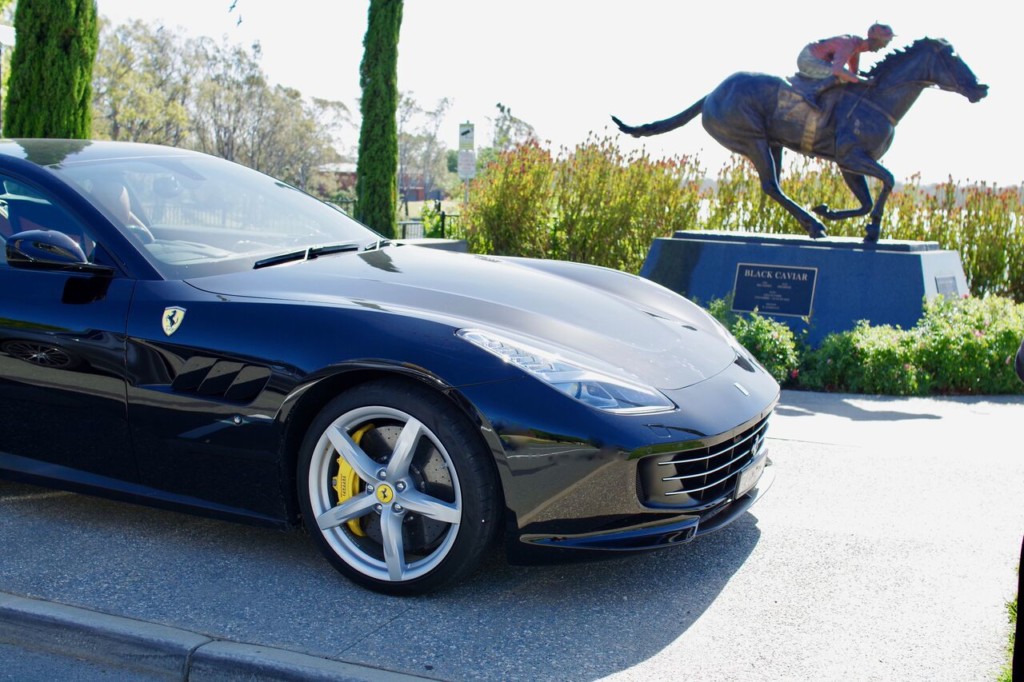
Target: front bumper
662,532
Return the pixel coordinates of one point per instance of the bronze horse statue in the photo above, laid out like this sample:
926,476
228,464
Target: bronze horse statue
757,115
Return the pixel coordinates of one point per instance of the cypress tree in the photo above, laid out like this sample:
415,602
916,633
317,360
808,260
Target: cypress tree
50,89
377,168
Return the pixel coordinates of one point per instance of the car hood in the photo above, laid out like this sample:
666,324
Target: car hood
626,322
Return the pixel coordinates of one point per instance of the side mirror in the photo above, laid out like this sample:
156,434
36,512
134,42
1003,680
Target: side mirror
48,250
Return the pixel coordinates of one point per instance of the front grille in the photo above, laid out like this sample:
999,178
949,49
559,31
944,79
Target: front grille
700,478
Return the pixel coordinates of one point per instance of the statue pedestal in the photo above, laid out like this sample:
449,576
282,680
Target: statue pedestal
820,286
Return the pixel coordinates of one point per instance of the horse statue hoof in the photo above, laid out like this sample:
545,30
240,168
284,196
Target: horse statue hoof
821,209
817,233
871,234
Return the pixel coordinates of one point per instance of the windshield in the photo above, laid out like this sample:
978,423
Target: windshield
199,215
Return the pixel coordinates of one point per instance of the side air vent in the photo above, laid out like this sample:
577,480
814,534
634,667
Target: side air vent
221,379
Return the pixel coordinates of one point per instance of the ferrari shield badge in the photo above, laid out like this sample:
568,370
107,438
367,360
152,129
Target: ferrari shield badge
173,317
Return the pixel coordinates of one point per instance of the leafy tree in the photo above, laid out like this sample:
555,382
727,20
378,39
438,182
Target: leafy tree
155,85
50,89
485,157
510,131
142,84
421,154
228,100
377,170
432,155
286,140
408,109
332,116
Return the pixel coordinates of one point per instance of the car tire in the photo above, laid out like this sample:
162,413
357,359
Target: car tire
397,488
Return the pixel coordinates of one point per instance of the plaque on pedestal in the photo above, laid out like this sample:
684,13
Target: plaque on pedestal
817,287
774,289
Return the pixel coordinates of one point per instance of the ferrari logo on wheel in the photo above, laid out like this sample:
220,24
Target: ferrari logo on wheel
172,319
385,494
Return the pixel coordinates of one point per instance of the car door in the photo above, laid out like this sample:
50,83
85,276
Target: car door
62,352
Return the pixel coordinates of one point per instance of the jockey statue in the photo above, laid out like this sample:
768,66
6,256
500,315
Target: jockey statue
837,60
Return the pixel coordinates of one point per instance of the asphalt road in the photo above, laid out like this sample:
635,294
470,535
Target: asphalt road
885,550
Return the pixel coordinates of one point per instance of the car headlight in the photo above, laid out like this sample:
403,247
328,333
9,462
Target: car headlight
589,386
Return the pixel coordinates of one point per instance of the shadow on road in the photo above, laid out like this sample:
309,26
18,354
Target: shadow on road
576,621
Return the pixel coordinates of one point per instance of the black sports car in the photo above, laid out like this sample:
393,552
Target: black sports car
181,331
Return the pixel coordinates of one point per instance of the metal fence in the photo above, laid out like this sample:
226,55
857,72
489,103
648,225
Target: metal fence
415,229
411,229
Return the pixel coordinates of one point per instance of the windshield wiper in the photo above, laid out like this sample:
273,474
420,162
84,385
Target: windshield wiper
306,254
373,246
315,251
283,258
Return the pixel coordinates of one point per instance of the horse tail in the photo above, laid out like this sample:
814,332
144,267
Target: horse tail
665,125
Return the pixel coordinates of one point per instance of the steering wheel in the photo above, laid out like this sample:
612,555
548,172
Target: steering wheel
142,232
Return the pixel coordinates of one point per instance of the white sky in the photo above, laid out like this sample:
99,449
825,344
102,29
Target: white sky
565,66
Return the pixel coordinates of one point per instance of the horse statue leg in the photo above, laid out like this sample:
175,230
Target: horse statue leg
858,184
855,166
767,160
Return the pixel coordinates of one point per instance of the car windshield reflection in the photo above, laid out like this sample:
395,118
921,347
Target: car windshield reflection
202,215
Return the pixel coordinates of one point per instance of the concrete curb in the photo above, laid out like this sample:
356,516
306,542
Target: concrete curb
157,651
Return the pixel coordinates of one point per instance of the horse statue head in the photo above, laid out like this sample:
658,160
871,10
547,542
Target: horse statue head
933,62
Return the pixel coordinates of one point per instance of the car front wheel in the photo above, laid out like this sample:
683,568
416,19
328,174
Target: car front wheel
397,489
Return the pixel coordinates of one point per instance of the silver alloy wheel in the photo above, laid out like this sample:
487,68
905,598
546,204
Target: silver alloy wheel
413,479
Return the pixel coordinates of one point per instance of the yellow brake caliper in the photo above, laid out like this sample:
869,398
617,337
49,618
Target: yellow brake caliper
347,484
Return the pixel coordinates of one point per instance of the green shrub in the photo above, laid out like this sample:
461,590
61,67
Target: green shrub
609,206
592,204
960,346
772,343
867,359
968,344
1006,675
430,214
509,212
827,367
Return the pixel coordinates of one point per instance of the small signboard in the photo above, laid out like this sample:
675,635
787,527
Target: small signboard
467,165
947,287
466,143
774,289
